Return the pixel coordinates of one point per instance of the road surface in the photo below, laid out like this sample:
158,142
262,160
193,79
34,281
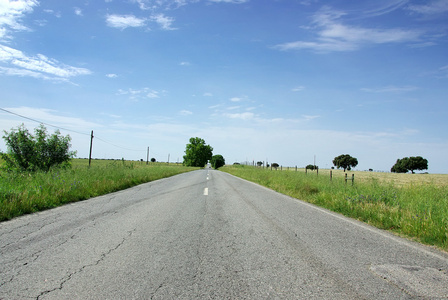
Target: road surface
209,235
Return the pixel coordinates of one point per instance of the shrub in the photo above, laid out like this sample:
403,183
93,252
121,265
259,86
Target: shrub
27,152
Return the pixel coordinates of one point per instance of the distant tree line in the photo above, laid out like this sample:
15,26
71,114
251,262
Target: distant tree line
198,154
347,162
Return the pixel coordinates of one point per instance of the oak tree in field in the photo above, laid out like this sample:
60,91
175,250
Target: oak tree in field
217,161
275,165
38,152
410,164
197,153
311,167
345,161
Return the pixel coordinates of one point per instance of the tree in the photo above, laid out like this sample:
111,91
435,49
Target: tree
39,152
399,166
410,164
311,167
217,161
259,163
275,165
345,161
197,153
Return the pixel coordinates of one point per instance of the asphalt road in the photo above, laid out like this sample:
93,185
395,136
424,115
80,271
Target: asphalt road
209,235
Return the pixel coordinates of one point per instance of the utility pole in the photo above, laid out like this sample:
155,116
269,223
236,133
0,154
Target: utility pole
147,156
91,142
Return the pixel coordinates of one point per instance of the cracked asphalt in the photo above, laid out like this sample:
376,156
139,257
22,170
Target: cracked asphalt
209,235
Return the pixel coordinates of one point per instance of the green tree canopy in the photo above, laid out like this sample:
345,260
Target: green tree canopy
345,161
197,153
410,164
217,161
27,152
311,167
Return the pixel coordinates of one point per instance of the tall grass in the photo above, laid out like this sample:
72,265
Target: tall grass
22,193
416,210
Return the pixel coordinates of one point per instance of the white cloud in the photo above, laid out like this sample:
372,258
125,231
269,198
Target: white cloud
431,8
162,4
163,21
229,1
38,66
307,2
174,4
112,75
78,11
237,99
124,21
152,94
390,89
443,71
185,113
242,116
57,14
383,7
207,95
53,117
185,63
11,13
143,93
309,118
333,35
298,89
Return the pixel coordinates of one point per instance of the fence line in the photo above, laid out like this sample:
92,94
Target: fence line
296,169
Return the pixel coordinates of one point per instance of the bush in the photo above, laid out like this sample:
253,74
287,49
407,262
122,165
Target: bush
36,153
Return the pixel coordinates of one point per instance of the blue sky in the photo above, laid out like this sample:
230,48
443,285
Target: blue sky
280,80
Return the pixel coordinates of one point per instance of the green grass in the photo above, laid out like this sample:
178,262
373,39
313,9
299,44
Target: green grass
23,193
416,210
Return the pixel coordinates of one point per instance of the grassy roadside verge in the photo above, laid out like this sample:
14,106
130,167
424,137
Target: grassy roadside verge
27,193
416,210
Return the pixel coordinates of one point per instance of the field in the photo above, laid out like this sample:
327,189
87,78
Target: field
387,178
23,193
410,205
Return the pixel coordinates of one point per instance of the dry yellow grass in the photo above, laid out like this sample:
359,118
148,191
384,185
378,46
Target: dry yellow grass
384,177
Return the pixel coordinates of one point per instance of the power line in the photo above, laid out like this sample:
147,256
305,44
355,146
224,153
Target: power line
118,146
58,127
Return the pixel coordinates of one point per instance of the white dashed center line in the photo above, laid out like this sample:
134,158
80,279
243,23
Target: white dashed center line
206,192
